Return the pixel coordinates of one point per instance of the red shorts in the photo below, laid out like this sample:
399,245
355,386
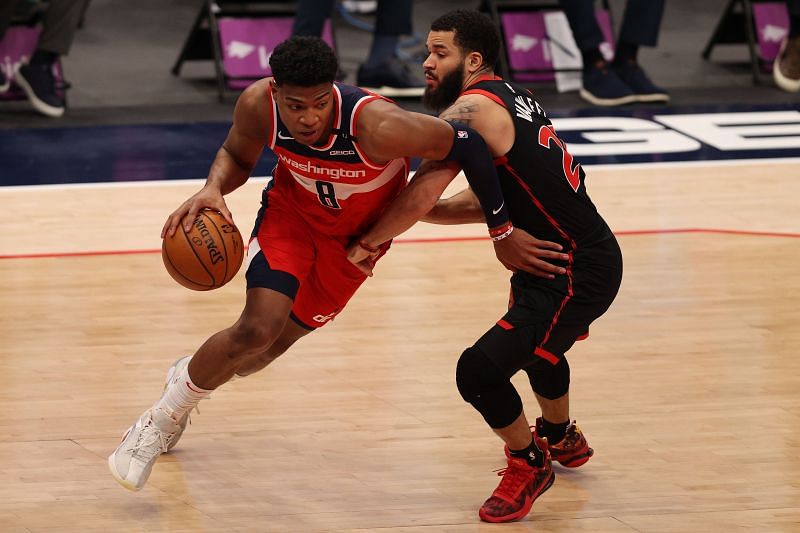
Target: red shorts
310,267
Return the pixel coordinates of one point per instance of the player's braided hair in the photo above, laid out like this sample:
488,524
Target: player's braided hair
303,61
474,32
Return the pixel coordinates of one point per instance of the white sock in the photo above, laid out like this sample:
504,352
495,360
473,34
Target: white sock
181,396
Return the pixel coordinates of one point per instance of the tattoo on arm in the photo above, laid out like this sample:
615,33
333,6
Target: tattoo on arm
463,113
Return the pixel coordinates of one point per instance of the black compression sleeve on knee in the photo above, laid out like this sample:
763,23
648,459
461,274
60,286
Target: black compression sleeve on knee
470,151
483,384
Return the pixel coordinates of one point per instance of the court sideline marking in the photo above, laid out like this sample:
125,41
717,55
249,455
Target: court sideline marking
712,231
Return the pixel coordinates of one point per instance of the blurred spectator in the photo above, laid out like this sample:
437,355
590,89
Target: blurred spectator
61,20
622,81
382,72
786,69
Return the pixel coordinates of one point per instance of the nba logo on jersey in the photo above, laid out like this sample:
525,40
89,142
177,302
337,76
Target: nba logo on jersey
462,134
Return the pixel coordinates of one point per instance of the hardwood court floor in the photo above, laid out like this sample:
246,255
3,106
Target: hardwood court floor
688,389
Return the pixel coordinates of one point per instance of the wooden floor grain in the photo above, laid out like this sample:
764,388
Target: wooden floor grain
688,388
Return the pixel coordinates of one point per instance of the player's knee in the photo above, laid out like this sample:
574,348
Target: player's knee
548,380
476,374
469,371
253,336
482,383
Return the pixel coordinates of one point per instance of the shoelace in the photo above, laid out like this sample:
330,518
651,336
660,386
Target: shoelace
195,408
151,442
513,477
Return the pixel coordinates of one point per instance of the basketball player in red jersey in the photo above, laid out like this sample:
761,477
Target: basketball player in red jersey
342,156
546,195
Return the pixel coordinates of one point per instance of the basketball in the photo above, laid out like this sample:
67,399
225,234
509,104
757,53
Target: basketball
207,256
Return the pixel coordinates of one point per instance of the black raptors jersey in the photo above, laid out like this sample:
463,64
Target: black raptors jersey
546,195
542,184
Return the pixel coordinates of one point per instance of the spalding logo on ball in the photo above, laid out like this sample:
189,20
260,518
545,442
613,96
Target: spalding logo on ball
207,256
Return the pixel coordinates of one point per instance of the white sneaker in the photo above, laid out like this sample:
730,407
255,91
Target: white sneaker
172,376
149,437
786,68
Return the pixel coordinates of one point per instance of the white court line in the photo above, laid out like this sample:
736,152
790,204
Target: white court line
108,184
614,166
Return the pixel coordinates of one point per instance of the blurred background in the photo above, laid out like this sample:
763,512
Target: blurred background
119,65
689,388
122,114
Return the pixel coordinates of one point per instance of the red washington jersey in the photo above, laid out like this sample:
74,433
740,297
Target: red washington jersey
334,186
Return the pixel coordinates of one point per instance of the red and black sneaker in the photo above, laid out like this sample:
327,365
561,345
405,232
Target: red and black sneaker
572,451
519,488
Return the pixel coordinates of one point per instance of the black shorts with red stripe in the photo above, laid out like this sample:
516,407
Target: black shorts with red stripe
546,317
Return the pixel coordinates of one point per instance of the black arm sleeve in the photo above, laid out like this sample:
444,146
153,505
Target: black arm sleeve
470,151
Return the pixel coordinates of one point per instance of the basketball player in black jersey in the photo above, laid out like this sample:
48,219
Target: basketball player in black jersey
544,190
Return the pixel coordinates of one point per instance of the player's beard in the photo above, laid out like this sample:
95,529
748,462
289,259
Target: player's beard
446,93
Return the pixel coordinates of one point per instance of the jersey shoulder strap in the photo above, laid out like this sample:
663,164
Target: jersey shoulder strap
518,100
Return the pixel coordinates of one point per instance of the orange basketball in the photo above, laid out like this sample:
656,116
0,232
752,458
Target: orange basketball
205,257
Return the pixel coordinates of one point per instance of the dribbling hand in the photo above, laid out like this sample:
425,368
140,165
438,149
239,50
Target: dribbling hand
209,198
362,258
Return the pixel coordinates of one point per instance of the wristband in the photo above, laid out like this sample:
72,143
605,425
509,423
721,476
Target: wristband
494,232
371,249
503,235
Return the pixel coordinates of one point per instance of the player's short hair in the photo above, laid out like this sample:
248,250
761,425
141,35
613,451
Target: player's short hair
303,61
474,32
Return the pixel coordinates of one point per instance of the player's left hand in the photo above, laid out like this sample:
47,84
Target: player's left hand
362,258
521,251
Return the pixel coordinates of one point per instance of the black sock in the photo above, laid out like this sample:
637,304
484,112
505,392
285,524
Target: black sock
591,57
554,432
625,53
532,454
40,58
